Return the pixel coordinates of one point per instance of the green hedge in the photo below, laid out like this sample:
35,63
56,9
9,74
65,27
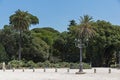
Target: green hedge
114,66
46,64
16,64
77,65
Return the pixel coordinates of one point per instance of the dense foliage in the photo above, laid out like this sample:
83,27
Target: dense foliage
46,44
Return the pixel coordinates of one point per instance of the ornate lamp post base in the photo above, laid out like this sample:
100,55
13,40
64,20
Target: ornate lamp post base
80,72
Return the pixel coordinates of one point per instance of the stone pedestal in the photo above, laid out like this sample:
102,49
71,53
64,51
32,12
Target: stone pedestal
80,72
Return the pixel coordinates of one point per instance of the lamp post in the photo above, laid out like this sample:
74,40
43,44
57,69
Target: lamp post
79,44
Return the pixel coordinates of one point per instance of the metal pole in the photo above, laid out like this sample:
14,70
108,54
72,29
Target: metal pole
80,45
81,66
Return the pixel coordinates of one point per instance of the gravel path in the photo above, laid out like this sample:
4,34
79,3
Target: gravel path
61,74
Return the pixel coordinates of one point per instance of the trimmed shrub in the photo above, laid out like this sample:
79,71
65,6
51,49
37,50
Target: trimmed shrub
56,65
40,64
46,64
77,65
16,63
31,64
86,66
74,65
114,66
64,64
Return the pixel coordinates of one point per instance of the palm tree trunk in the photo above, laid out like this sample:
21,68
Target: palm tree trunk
19,51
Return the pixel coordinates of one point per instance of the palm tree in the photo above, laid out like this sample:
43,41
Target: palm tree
21,21
85,29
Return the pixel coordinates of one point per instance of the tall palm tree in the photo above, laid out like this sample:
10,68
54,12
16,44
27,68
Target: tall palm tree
85,29
21,21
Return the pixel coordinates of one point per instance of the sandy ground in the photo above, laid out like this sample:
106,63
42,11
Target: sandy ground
61,74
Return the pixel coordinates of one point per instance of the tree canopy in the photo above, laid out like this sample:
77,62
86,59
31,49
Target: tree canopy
43,44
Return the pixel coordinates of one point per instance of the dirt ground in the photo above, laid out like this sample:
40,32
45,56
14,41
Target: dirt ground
60,74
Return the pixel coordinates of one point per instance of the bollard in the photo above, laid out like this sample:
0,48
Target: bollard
109,71
68,70
44,70
3,69
3,66
33,69
9,66
94,70
13,69
55,69
23,70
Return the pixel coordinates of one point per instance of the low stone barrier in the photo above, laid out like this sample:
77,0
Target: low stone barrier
56,70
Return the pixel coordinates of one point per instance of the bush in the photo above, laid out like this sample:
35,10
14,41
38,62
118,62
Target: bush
86,66
46,64
55,65
40,64
16,63
114,66
74,65
20,64
64,64
77,65
31,64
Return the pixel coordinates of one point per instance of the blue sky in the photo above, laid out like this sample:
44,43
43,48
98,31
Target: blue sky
58,13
